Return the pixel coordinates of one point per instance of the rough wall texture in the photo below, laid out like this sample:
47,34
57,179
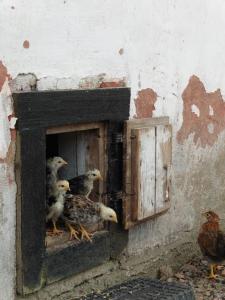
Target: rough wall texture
144,103
203,114
172,49
7,189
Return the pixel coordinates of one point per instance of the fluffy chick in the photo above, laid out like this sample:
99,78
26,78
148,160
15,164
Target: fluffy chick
53,165
56,203
211,241
83,184
82,213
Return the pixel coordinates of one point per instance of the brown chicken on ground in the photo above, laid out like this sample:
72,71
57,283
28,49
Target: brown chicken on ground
211,241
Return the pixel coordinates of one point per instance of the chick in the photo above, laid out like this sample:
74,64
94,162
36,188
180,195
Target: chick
211,241
55,203
53,165
82,213
83,184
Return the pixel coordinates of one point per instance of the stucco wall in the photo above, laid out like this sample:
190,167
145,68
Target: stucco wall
171,54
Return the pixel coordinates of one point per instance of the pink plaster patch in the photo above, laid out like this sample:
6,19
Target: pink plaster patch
112,84
145,103
3,74
26,44
203,114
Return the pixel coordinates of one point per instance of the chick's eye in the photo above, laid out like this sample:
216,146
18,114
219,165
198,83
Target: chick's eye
94,174
59,161
110,216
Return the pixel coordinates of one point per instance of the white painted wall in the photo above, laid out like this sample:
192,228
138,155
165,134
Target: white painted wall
164,42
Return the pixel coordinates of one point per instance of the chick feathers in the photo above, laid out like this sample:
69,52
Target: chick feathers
83,184
55,203
53,165
78,211
211,240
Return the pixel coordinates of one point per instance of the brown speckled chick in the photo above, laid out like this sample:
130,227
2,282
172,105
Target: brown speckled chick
83,214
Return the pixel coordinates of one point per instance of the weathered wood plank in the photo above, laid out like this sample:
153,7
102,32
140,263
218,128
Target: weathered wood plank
67,149
130,216
84,150
58,108
144,174
146,122
163,161
78,257
33,176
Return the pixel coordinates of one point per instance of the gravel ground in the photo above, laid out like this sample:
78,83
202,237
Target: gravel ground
196,274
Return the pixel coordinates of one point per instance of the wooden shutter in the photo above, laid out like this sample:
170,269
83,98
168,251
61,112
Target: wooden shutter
147,161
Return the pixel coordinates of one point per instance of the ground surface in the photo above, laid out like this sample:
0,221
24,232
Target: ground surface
196,273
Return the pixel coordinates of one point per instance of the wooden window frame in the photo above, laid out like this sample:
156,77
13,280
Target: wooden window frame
39,113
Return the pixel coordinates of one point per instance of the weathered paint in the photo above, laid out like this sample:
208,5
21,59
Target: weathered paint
76,44
26,44
3,74
7,189
112,84
203,114
121,51
145,103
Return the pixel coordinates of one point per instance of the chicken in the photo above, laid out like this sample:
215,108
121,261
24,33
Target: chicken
82,213
53,165
83,184
55,203
212,241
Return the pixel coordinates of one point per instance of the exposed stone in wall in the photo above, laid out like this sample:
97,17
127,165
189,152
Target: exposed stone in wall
91,82
144,103
101,81
203,114
23,82
113,83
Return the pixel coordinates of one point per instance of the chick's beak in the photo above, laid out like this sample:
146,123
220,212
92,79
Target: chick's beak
100,177
65,163
115,219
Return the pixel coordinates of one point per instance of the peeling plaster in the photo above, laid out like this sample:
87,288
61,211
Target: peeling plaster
23,82
73,82
211,111
121,51
195,110
5,111
91,82
113,84
3,74
144,103
207,121
7,189
26,44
